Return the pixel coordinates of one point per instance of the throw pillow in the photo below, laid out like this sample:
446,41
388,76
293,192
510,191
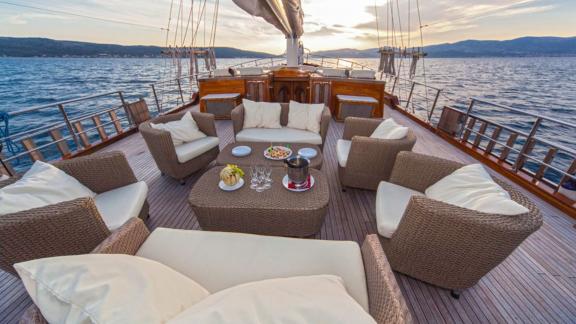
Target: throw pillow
107,288
297,300
182,131
42,185
472,187
389,129
261,114
305,116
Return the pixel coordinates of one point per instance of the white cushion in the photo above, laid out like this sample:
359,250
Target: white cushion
107,288
183,130
296,300
391,202
219,260
119,205
335,73
389,129
280,135
363,74
305,116
247,71
472,187
42,185
261,114
221,73
342,151
188,151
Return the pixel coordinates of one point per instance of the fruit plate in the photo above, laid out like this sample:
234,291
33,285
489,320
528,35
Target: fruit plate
308,152
285,181
226,187
277,153
241,151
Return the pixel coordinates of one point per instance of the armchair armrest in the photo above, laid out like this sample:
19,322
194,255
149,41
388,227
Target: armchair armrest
386,303
125,240
355,126
325,123
100,172
419,171
237,116
205,123
70,227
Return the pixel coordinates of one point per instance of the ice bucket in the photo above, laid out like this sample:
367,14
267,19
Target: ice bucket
297,170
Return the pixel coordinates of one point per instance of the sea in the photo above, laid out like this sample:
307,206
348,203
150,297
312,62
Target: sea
539,85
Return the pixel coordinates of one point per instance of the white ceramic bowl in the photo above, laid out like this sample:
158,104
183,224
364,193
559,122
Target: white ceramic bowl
241,151
308,152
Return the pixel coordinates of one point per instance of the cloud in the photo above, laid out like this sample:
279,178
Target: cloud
324,31
17,20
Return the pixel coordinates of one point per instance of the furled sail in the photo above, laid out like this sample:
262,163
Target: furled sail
286,15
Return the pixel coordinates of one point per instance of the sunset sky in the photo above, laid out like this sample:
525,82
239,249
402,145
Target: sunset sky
329,24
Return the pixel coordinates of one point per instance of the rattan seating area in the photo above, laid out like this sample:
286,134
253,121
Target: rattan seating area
446,245
370,160
163,150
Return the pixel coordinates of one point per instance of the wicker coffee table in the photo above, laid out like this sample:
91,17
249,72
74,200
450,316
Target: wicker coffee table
275,211
257,155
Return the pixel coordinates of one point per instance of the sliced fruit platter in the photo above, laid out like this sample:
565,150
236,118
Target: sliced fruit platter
277,152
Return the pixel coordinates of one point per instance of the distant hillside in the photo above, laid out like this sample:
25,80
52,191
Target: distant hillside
525,46
38,47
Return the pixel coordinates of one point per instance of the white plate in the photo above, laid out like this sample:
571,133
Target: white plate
308,152
285,184
225,187
241,151
266,154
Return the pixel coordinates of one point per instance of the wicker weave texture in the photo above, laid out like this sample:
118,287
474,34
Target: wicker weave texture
370,159
386,303
275,211
446,245
257,155
161,147
237,116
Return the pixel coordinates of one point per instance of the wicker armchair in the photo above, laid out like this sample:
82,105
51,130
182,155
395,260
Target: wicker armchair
446,245
70,227
370,160
386,303
237,116
163,151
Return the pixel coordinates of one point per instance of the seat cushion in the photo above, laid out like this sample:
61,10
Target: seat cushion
107,288
342,151
119,205
280,135
188,151
391,202
295,300
42,185
472,187
218,260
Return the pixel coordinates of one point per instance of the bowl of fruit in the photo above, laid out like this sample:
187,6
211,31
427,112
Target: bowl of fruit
231,178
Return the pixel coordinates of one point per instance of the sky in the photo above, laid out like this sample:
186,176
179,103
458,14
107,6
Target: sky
329,24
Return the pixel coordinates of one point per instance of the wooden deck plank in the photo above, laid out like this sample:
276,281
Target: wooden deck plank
537,283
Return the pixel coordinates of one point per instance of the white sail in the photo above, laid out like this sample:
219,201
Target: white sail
286,15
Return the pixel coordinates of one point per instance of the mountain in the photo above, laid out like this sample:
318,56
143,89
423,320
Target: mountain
33,47
519,47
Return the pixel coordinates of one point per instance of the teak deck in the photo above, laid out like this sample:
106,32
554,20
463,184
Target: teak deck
536,284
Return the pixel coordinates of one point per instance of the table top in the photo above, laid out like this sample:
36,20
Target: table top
257,155
356,99
221,96
206,193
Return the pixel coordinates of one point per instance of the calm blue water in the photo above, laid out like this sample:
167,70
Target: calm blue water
539,85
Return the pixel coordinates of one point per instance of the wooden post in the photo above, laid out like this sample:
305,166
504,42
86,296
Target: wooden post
478,138
509,144
434,105
156,99
493,139
83,137
468,130
30,147
547,160
61,144
116,122
528,145
69,125
101,131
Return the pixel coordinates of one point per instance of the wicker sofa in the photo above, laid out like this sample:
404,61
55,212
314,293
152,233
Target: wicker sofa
181,161
77,226
363,161
439,243
384,298
282,135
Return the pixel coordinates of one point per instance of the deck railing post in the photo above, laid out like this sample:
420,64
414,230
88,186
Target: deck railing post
156,99
468,111
520,158
180,90
434,104
69,125
125,107
394,84
410,94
